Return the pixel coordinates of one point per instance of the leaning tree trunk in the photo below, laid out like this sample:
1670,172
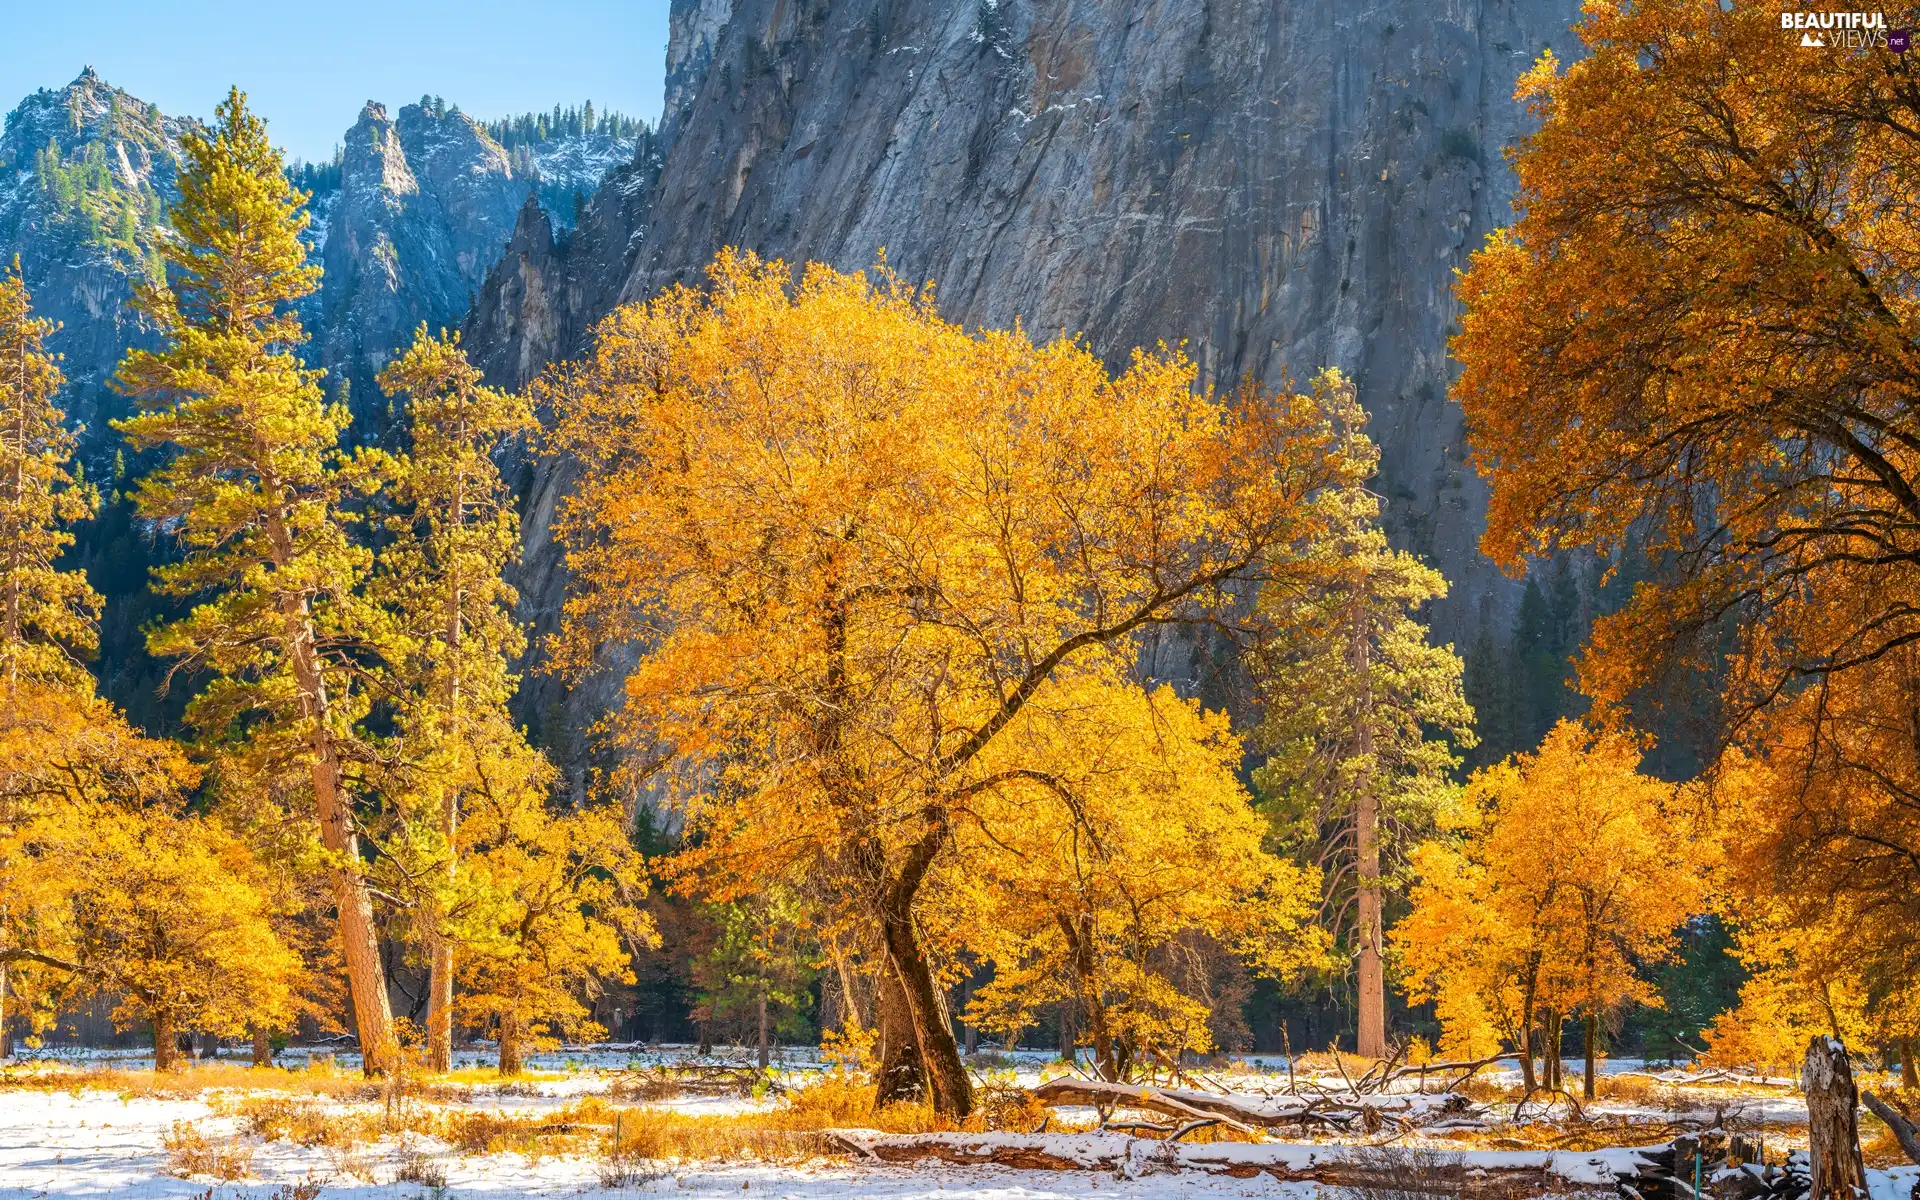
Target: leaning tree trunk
359,941
947,1084
1833,1124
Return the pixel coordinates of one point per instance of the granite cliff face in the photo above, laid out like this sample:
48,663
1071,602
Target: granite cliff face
1283,186
425,205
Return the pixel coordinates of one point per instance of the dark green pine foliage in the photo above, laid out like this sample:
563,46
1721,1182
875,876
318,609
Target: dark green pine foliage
1520,680
1699,985
530,129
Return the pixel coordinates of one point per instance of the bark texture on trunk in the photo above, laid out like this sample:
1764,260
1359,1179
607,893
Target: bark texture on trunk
6,1030
262,1046
510,1061
902,1074
1909,1070
1528,1079
166,1042
1833,1122
948,1088
1372,982
440,1008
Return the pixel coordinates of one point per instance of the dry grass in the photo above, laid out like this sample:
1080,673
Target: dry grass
194,1081
1332,1062
190,1154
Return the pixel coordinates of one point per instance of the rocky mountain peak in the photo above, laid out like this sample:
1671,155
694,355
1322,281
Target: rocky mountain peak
86,171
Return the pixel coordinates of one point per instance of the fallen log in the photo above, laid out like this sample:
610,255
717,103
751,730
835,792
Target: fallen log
1486,1176
1903,1130
1243,1112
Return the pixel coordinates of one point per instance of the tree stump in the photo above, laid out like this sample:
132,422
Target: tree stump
1833,1124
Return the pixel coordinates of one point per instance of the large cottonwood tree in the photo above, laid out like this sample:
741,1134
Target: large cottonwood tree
858,548
1703,335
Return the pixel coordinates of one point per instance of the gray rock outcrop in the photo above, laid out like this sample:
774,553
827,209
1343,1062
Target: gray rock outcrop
1281,186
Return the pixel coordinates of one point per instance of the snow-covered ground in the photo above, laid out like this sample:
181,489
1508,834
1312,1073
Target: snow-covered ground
91,1142
96,1144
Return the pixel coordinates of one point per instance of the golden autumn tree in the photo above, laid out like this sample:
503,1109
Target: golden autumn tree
440,575
1360,715
47,615
1574,872
856,546
173,922
68,762
1094,879
1818,823
104,888
1701,333
255,488
546,908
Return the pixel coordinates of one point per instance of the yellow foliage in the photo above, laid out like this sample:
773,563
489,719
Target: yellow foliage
1574,869
870,557
1132,839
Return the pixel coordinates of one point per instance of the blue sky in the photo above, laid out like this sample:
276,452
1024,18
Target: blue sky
307,68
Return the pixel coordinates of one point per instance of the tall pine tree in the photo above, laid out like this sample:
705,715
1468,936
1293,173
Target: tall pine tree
254,488
1353,693
441,579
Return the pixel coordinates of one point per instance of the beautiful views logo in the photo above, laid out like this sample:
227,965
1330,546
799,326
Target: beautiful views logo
1840,30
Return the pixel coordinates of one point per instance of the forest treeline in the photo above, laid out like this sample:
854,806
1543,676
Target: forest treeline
881,600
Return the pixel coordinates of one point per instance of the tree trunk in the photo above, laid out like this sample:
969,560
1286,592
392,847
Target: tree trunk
510,1063
1554,1025
902,1074
440,1006
1080,955
1909,1070
947,1084
852,1019
766,1057
366,976
209,1046
440,969
1069,1035
1372,982
1833,1124
1593,1050
1527,1078
6,1029
166,1042
262,1046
